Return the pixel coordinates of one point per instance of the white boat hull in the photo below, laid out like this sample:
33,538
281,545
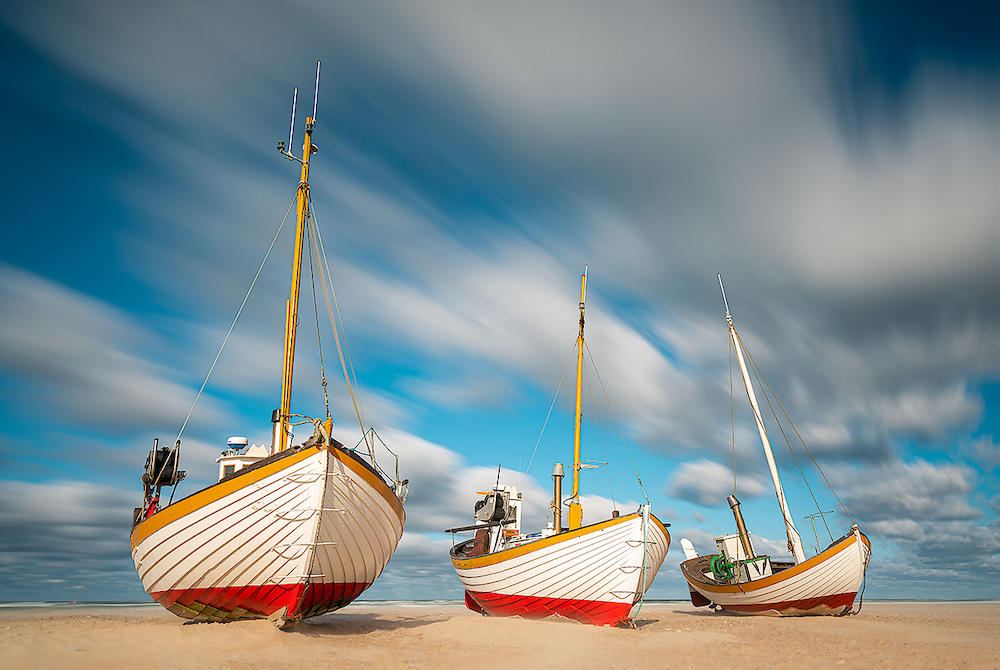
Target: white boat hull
824,584
294,536
593,574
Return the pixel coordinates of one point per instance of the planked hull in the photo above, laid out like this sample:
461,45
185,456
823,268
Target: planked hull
822,585
593,574
297,535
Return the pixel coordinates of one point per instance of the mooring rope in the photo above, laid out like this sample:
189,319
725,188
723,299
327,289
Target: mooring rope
642,583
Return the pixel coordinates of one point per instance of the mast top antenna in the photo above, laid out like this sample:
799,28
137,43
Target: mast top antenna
291,125
729,318
316,93
286,151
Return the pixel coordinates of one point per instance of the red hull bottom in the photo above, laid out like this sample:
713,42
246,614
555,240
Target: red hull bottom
299,601
593,612
822,605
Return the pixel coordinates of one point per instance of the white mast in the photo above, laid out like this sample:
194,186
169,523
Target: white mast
794,541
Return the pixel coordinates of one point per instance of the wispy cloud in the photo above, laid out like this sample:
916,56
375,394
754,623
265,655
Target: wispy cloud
707,483
84,359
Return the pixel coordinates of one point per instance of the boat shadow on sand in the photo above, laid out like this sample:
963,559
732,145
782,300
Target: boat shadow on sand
358,624
353,624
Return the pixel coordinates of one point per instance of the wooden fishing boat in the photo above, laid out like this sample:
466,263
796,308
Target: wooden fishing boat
738,580
596,574
824,584
288,532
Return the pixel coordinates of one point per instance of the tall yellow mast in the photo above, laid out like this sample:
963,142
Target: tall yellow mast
575,508
292,306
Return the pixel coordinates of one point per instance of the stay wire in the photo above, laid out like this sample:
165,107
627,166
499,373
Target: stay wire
759,375
617,423
813,458
174,489
808,451
360,408
600,439
319,340
551,405
324,280
770,392
235,318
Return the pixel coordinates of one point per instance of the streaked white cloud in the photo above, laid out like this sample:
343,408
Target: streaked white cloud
929,411
707,483
75,532
85,359
916,490
984,452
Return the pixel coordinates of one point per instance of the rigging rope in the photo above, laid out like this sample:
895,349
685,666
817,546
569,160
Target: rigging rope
235,318
551,405
336,337
174,489
600,439
617,423
319,340
767,397
808,451
340,320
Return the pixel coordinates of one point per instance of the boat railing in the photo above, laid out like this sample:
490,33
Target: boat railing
399,486
322,432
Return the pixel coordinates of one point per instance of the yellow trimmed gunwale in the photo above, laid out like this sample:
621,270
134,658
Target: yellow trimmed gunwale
210,494
788,573
521,550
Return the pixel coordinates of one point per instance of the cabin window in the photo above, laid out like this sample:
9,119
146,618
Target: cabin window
228,470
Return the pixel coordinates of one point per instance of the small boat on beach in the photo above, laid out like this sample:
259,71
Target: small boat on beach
290,531
596,574
736,579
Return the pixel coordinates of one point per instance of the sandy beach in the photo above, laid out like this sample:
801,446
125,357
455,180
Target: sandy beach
668,635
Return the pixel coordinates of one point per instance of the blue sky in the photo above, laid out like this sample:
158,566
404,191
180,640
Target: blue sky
837,165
